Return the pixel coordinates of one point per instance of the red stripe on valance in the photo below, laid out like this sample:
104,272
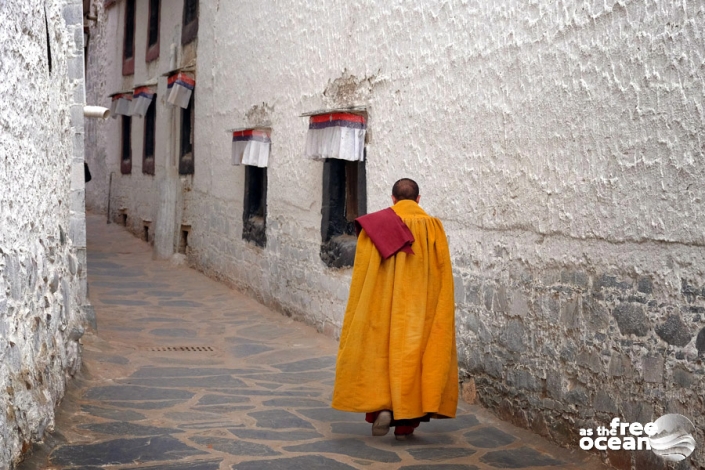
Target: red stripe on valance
142,89
337,117
127,96
251,132
183,77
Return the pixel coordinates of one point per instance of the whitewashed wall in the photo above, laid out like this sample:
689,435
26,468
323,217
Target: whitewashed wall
135,193
42,218
559,142
102,74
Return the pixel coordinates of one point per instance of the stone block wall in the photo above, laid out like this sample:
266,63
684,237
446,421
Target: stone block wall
42,241
558,336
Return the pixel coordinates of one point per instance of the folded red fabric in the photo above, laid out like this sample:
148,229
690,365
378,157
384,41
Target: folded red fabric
387,231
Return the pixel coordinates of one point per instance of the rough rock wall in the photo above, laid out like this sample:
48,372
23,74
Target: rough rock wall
561,334
42,240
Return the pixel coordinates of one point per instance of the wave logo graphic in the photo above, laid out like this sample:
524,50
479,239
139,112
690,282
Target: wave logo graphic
673,440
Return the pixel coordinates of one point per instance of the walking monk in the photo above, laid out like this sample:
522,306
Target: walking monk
397,360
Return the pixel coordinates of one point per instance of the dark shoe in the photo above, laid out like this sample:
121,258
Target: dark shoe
381,425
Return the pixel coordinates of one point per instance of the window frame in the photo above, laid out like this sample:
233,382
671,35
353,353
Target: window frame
153,49
189,31
126,145
128,63
150,120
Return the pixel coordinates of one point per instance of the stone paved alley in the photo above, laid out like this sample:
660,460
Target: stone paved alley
186,373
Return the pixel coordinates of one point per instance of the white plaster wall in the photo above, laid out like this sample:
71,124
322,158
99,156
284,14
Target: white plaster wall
135,193
579,118
572,118
102,137
41,214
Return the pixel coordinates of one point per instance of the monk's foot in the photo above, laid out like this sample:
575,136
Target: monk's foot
381,425
402,433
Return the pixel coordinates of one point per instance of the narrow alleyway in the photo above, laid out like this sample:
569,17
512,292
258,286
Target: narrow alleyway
186,373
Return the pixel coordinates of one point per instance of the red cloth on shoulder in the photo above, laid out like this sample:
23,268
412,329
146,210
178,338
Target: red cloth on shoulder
387,231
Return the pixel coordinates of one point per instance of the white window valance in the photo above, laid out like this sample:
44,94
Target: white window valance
336,135
141,99
180,87
121,104
251,147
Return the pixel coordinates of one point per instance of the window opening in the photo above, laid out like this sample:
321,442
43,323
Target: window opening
254,215
344,199
128,54
186,163
183,242
153,30
150,120
126,146
189,27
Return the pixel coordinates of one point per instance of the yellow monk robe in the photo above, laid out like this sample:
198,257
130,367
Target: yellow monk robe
397,347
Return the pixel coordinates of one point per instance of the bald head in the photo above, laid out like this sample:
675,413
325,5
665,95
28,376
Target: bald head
405,188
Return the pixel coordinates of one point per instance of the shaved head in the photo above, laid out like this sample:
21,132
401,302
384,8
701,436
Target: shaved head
405,188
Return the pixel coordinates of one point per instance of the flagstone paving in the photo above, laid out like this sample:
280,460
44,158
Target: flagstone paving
186,374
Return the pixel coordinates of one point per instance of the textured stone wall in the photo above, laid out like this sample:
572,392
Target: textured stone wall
559,142
562,334
42,240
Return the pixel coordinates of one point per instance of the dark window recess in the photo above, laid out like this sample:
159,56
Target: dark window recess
86,42
186,155
153,31
254,215
128,50
46,23
150,120
344,199
183,241
189,25
126,146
